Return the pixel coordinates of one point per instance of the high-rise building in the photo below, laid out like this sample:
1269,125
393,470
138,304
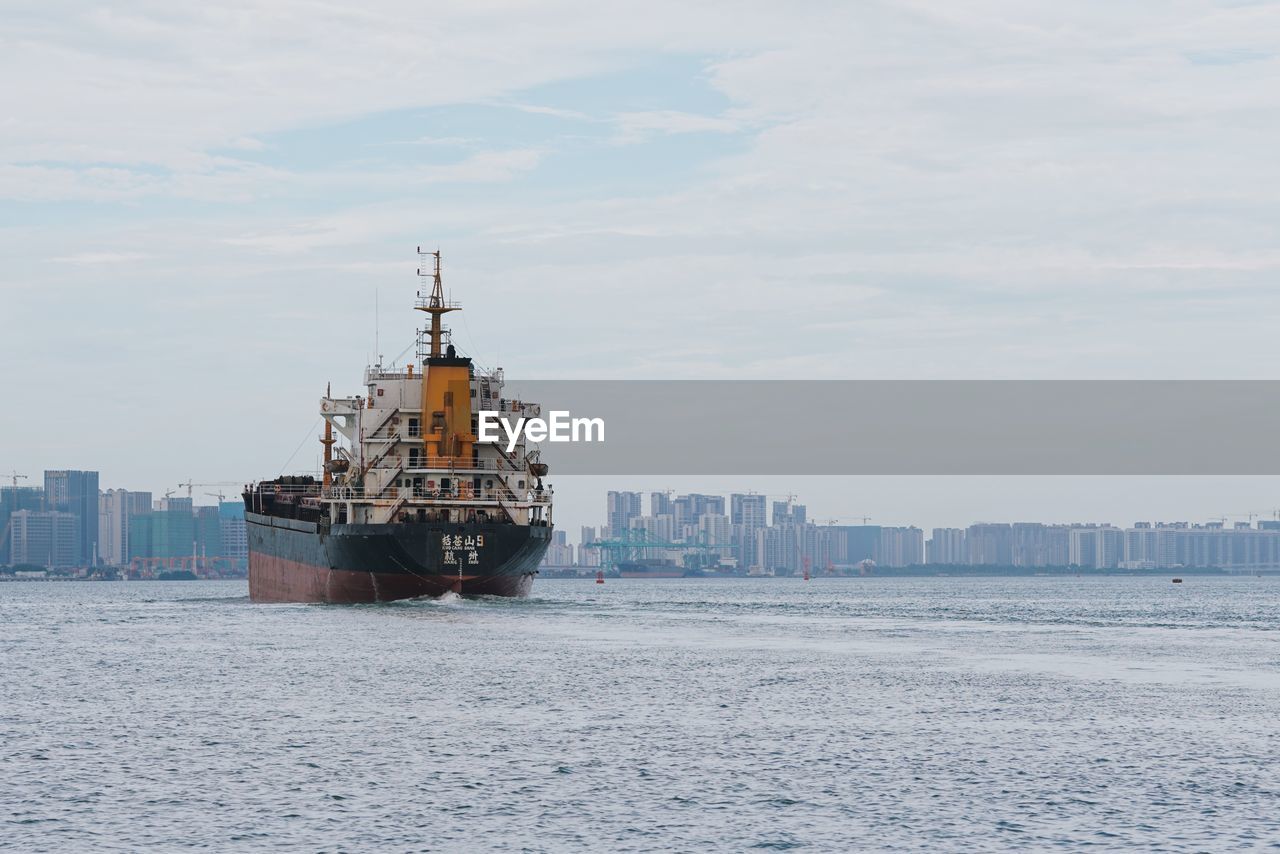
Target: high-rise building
174,502
559,553
659,529
623,507
989,544
947,546
748,510
13,499
1096,547
687,508
76,492
748,516
901,547
115,508
854,544
660,504
714,529
235,539
162,534
208,531
818,546
778,549
44,538
788,513
588,556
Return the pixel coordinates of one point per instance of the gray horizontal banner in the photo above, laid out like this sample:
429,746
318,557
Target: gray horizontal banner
914,427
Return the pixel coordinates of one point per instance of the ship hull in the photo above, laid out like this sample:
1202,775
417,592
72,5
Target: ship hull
292,560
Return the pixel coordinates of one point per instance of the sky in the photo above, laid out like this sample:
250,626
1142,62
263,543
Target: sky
201,206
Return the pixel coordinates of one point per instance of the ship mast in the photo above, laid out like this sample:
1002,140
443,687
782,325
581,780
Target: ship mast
435,305
328,441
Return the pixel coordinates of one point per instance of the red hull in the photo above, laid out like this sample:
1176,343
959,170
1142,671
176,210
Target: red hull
275,579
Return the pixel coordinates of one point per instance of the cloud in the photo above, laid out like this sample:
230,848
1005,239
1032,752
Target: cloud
96,258
635,127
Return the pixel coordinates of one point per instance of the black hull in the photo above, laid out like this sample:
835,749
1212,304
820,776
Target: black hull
291,560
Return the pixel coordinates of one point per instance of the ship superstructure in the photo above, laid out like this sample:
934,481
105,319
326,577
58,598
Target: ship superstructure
410,501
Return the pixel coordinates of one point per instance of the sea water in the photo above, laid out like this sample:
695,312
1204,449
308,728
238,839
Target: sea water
840,714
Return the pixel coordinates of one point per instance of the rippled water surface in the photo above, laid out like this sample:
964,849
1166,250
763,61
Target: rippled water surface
932,714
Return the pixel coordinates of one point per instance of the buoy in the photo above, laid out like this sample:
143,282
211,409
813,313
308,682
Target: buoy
1177,581
600,577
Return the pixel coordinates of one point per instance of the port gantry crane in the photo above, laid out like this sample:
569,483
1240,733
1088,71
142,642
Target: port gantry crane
638,545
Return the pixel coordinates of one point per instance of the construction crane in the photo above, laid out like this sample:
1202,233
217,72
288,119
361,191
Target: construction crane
13,497
190,486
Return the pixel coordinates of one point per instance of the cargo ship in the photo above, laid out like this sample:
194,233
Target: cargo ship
654,568
409,502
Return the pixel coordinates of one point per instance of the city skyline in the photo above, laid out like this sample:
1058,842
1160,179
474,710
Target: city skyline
787,537
70,523
664,516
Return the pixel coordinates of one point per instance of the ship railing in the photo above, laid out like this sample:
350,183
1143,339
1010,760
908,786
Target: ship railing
425,465
287,489
418,465
425,302
442,497
376,374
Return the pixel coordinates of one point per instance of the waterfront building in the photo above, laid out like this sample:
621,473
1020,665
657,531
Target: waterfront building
76,492
115,508
235,539
901,547
44,538
989,544
162,534
854,544
1096,547
748,516
13,499
947,546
